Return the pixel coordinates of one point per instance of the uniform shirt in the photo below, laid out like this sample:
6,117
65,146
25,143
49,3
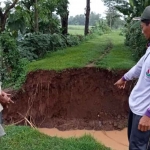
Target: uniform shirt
139,100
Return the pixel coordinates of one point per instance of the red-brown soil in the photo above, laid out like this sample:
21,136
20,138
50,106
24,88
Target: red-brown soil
72,99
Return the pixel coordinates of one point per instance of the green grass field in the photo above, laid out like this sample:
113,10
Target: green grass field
76,29
119,57
25,138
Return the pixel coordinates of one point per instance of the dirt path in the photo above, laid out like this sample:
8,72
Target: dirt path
105,52
116,140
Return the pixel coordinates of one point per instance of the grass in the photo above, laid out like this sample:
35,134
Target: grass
76,32
119,57
76,29
25,138
73,57
79,27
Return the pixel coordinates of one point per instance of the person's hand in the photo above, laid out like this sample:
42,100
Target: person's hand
5,94
144,124
5,100
121,84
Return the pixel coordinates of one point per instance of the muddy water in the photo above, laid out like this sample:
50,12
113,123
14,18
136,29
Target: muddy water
116,140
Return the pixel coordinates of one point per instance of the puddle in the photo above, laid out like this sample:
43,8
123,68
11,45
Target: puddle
116,140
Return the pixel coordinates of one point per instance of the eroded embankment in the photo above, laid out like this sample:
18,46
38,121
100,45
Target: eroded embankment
72,99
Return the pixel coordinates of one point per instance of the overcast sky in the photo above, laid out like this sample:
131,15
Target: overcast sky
78,6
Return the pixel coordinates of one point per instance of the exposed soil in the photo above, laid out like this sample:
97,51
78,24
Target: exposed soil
72,99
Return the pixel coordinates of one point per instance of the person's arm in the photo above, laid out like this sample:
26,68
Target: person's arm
134,72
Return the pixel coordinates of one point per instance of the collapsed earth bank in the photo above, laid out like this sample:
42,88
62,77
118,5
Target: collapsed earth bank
71,99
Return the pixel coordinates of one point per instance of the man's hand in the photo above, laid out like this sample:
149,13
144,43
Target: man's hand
121,84
5,94
144,124
5,99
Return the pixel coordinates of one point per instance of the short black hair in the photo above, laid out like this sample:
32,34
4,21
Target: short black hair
146,21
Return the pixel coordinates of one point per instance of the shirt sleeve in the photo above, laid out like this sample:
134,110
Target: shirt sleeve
148,112
135,71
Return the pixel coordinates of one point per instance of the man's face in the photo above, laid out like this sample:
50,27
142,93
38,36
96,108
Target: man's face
146,30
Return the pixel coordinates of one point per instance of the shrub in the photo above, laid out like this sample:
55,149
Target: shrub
35,46
135,39
11,63
101,28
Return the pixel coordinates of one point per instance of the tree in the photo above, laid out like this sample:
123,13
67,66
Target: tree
48,21
119,23
62,10
21,19
26,7
129,9
77,20
87,17
4,14
111,13
26,19
80,19
36,16
111,16
94,18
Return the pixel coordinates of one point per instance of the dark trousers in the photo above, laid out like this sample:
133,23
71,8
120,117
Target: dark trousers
138,140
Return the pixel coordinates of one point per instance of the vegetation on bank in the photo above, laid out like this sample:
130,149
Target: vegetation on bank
106,51
25,138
